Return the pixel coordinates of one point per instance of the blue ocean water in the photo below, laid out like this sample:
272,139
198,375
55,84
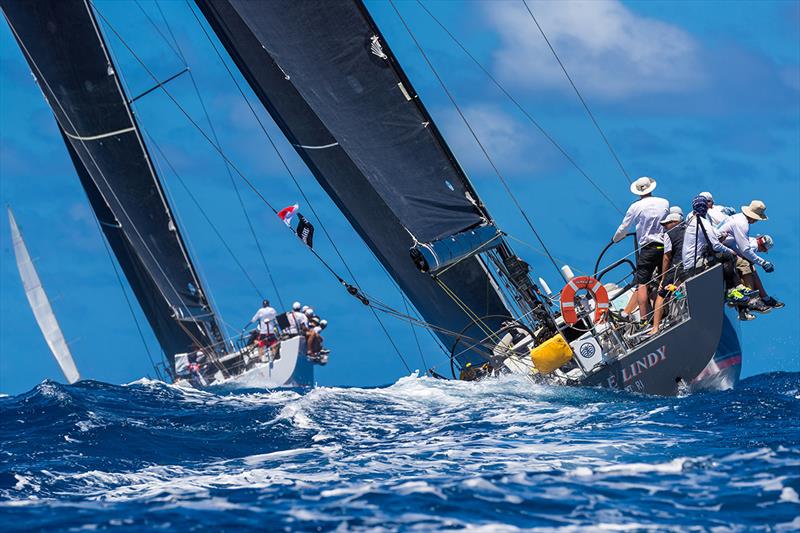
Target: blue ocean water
420,454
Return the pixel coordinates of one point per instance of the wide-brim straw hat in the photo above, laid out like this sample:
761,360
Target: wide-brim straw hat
642,186
756,210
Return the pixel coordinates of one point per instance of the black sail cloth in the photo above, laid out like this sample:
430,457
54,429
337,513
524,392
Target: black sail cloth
330,82
66,52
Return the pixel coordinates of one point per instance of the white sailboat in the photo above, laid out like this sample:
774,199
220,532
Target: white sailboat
40,305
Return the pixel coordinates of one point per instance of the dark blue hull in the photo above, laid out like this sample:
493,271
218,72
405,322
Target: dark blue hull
723,371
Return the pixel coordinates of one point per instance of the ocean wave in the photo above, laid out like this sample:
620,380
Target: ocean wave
420,453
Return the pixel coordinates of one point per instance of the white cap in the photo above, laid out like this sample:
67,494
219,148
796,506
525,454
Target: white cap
676,209
323,323
296,306
707,196
643,185
672,217
304,308
309,312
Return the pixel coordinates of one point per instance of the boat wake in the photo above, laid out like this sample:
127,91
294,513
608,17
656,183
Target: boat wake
420,453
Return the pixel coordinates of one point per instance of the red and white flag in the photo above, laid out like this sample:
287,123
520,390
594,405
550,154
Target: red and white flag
287,213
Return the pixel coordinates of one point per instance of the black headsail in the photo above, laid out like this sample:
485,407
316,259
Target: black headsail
329,80
65,49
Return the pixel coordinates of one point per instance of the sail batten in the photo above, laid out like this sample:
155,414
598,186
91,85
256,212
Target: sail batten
40,305
63,44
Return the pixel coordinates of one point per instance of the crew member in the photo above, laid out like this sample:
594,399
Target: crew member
764,303
265,333
671,266
646,213
298,322
717,214
700,242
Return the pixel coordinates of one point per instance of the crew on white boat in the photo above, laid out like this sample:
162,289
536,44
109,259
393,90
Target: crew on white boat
298,323
265,333
646,213
735,232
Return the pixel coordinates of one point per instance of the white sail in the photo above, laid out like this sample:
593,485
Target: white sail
41,305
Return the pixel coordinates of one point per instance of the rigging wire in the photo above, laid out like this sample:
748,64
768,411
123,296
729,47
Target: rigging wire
475,136
201,210
414,332
250,184
179,52
295,181
127,299
147,248
519,106
578,93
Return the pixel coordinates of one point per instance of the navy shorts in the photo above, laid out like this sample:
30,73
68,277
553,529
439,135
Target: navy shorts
650,257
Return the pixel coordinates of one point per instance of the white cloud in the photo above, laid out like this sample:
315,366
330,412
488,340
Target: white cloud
508,142
609,51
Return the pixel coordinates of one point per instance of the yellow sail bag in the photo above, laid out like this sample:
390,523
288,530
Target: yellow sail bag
551,354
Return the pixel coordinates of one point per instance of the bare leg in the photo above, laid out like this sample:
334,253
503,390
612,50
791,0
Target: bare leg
644,301
632,304
657,313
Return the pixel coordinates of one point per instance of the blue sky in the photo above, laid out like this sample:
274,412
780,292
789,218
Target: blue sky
699,95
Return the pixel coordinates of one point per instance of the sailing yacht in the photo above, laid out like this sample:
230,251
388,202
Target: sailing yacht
326,75
70,61
40,305
328,78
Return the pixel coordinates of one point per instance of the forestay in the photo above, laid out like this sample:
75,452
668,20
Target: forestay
331,83
69,58
40,305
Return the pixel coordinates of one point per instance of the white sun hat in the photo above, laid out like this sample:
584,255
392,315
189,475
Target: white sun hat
756,210
672,217
707,196
642,186
676,209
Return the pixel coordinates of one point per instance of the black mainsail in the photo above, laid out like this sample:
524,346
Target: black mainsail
69,58
331,83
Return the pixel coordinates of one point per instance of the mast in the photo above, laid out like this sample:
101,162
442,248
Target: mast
69,58
40,305
329,80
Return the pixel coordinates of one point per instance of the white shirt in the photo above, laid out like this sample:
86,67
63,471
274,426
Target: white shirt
647,213
737,236
264,317
297,322
695,236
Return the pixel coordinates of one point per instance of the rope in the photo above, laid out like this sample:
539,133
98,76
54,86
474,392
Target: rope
414,332
295,181
475,136
127,299
41,77
577,92
202,211
250,226
533,121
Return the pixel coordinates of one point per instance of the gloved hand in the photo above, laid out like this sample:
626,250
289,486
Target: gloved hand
768,267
